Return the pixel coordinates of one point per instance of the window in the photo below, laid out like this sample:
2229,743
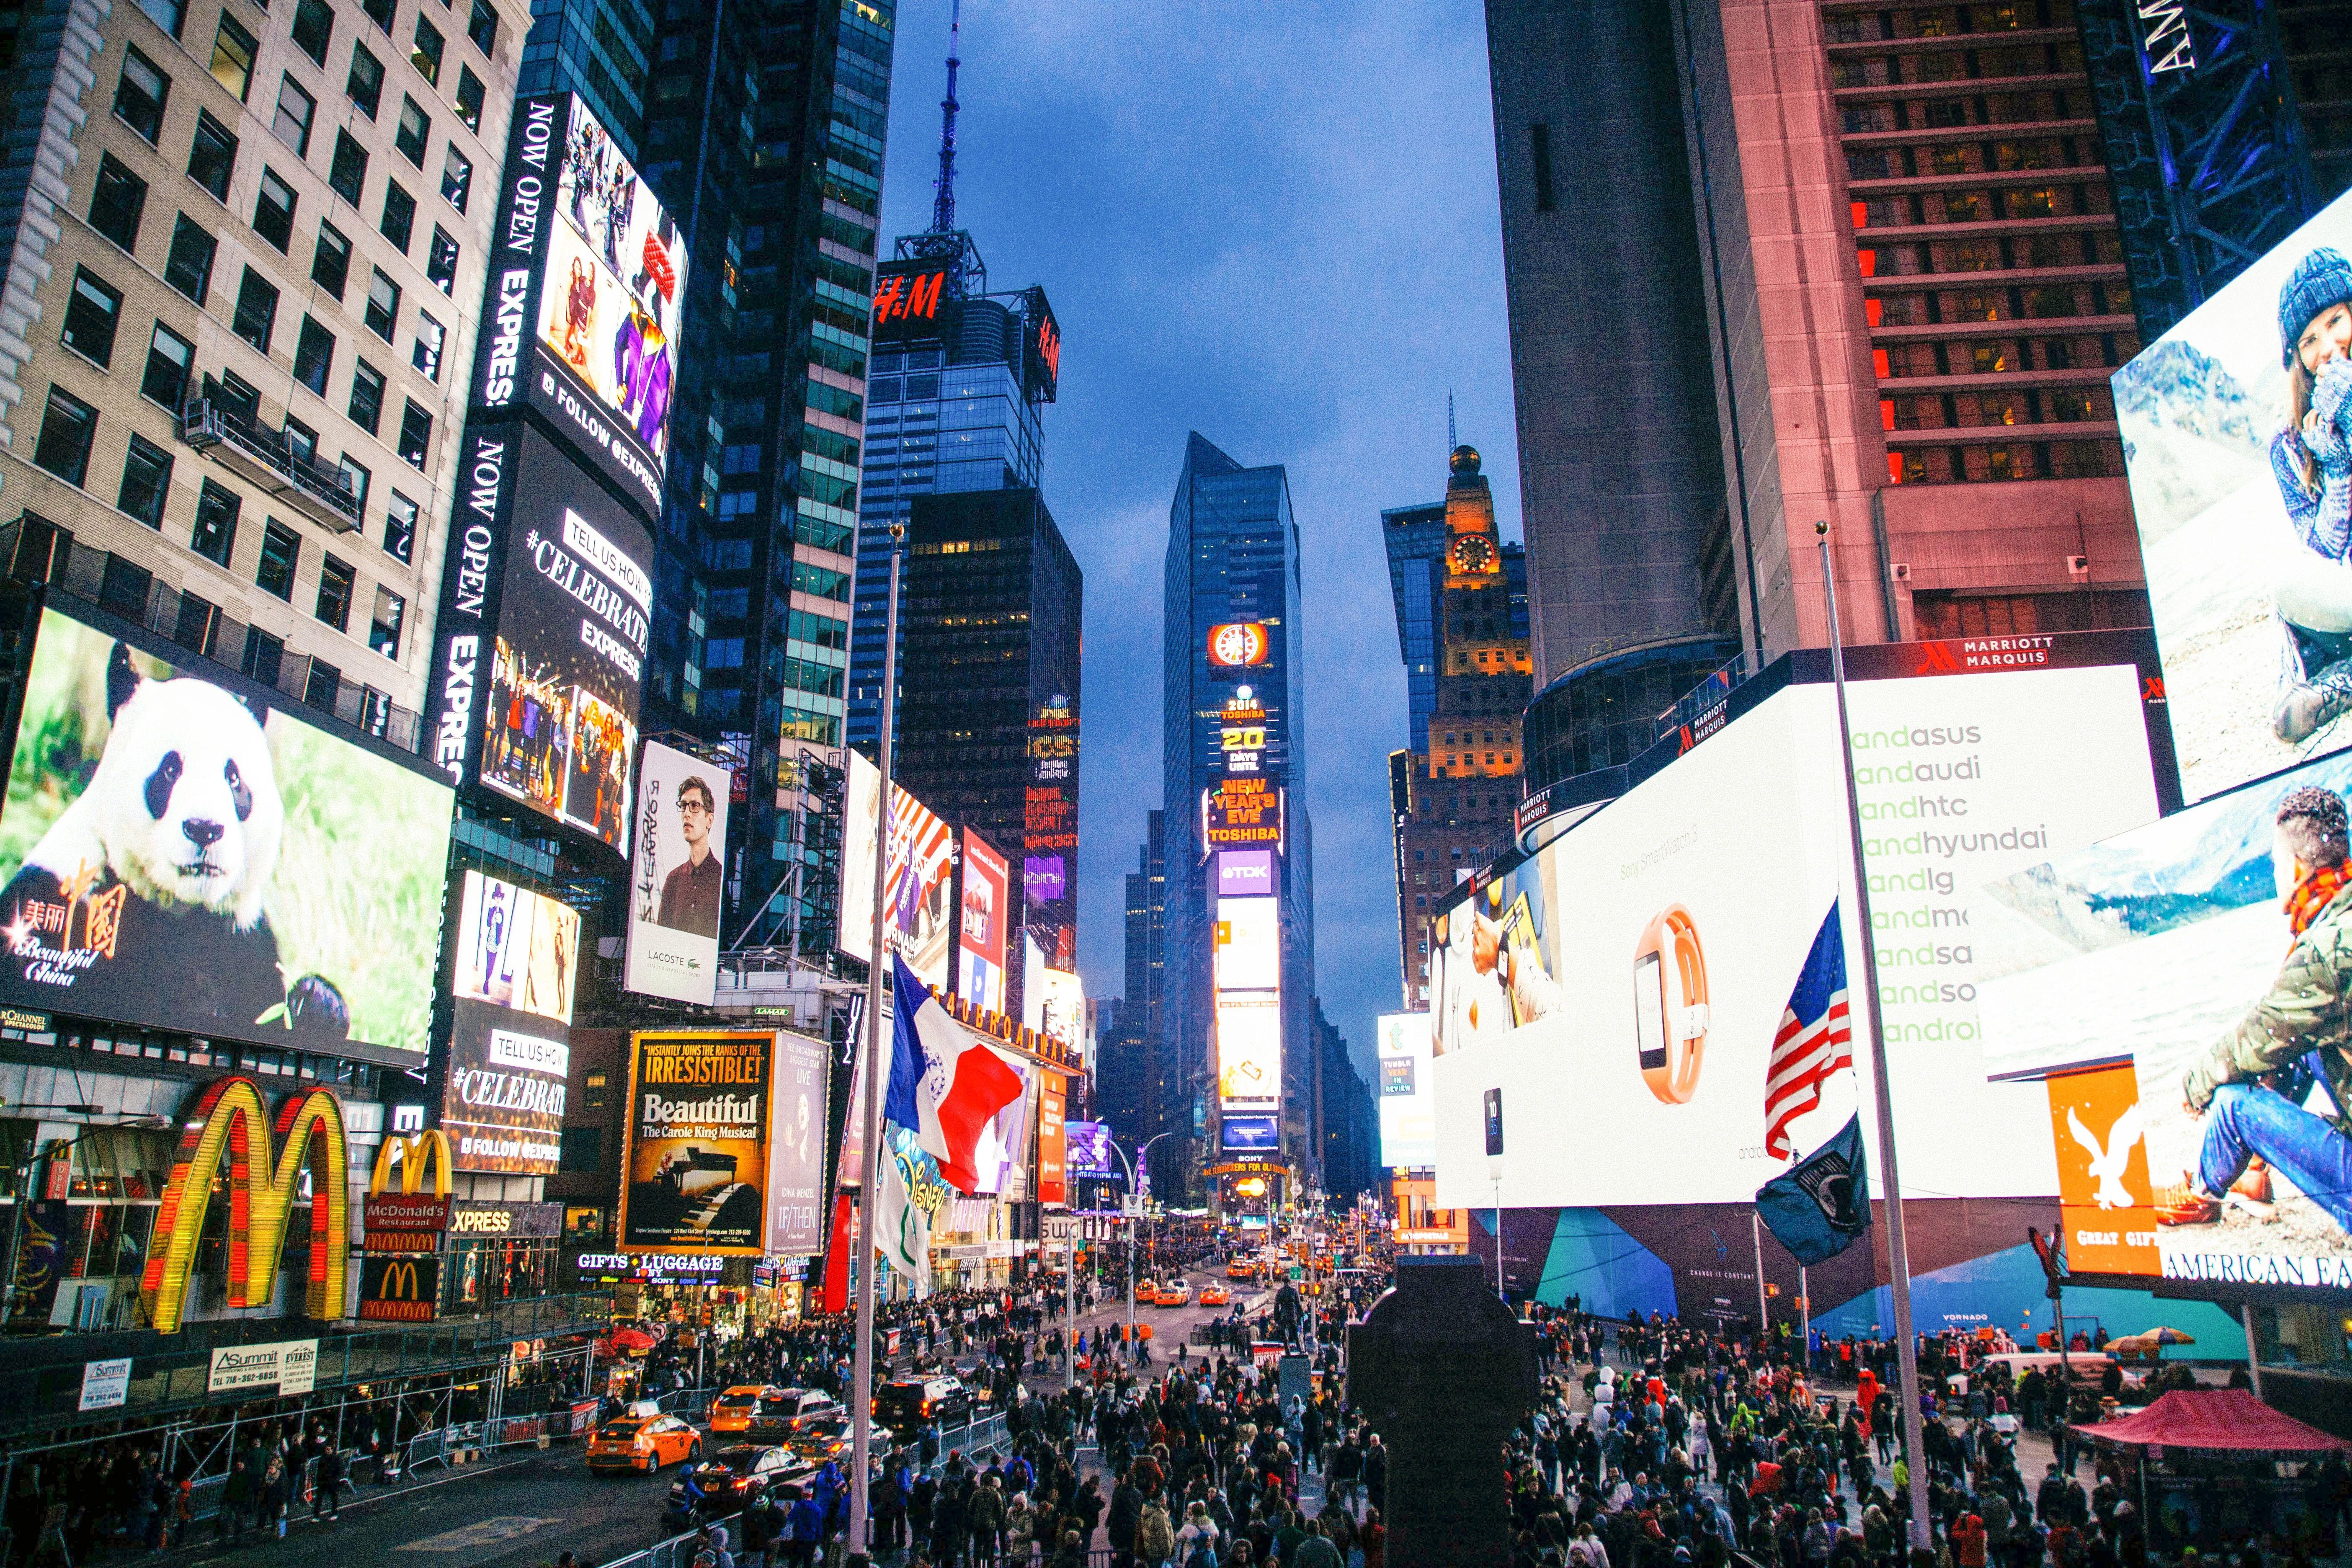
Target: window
281,553
67,427
295,108
232,394
320,685
337,583
380,13
169,358
257,309
302,441
399,214
146,480
314,27
331,260
424,354
189,268
264,655
483,28
168,15
216,531
416,434
118,200
314,355
1539,148
356,477
412,131
456,177
140,95
384,631
367,398
348,174
469,98
383,305
427,56
365,86
400,515
273,210
441,261
233,52
93,310
211,156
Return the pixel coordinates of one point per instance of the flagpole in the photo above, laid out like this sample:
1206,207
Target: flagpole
861,1384
1898,1263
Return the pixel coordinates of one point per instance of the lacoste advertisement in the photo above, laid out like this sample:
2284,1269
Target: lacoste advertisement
678,877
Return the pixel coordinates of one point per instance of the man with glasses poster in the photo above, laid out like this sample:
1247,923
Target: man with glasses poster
690,897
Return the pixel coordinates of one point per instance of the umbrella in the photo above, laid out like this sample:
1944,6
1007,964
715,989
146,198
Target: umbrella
2169,1337
634,1339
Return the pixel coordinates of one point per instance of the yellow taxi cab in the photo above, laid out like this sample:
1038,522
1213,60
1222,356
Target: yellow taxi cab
1217,1296
643,1442
1147,1290
1241,1269
733,1409
1175,1293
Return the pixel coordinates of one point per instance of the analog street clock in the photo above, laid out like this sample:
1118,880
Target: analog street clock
1238,644
1473,554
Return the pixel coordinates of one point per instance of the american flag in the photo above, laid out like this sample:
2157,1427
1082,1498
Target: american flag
1816,1038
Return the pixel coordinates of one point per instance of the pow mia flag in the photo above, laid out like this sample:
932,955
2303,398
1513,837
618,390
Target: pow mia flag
1821,1206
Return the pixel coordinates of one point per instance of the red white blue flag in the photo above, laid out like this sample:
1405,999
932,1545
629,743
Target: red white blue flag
946,1084
1816,1038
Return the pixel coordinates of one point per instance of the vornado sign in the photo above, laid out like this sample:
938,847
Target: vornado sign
264,1178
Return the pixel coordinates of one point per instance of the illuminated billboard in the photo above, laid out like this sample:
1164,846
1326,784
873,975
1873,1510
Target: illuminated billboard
1061,1010
1044,376
546,613
1407,1102
911,301
587,274
2235,436
1090,1150
180,853
796,1121
918,891
1642,965
1244,873
2178,999
1253,1134
1049,825
698,1125
1249,945
516,967
1249,1051
1241,812
985,902
678,878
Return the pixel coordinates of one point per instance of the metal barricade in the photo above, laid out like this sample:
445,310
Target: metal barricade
678,1550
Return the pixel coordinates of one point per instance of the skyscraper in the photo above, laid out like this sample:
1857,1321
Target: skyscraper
599,49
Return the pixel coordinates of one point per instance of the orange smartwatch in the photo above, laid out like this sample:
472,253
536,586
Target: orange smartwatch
1670,1027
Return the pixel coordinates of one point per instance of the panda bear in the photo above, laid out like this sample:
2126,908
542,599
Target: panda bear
144,899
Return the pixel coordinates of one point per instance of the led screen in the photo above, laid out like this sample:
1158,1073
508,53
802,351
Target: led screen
677,880
1711,879
697,1125
516,966
1408,1104
796,1149
1249,945
1254,1134
1090,1149
1249,1051
918,891
986,902
2234,433
180,854
2120,973
1062,1009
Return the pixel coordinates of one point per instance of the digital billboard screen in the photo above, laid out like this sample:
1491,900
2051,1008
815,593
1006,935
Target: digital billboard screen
698,1126
516,966
180,853
919,890
678,878
1061,1010
2174,987
2236,438
1089,1145
587,273
1053,1105
1249,945
796,1196
1407,1102
1643,964
1249,1051
1252,1134
984,900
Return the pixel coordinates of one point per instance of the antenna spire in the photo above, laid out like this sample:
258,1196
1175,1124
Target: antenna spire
1451,441
943,205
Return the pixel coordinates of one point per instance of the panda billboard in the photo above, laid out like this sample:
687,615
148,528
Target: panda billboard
180,854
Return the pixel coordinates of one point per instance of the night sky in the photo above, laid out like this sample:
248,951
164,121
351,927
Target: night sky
1276,226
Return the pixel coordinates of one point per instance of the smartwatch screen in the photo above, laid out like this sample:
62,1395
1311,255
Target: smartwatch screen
1650,1011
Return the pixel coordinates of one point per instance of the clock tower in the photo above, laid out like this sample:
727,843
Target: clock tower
1473,550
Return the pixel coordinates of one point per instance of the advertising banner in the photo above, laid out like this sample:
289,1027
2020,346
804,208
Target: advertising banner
2168,983
1246,873
677,878
1253,1134
918,898
1241,812
400,1289
588,275
2234,427
911,301
1650,961
1407,1102
797,1120
1049,818
986,901
105,1385
698,1143
1087,1145
180,854
285,1366
517,960
1249,945
1061,1010
1249,1051
1053,1103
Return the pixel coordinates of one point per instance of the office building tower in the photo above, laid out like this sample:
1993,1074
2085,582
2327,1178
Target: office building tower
1233,755
1125,1084
1347,1124
602,49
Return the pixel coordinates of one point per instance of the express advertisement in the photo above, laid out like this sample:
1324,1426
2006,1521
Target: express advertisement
1644,964
1249,945
678,878
1407,1102
2237,429
179,854
2178,1000
796,1196
517,963
540,652
919,894
1249,1051
985,900
699,1121
587,274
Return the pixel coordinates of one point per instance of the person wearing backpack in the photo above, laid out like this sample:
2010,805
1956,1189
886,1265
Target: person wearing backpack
1155,1537
1196,1543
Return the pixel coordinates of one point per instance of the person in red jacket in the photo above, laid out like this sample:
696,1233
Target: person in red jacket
1969,1542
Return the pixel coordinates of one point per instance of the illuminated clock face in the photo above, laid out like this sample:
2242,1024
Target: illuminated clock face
1238,644
1474,552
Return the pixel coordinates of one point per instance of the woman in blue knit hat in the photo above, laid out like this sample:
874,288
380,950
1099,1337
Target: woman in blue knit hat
2312,461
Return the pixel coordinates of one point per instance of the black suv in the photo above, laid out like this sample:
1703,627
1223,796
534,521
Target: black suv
905,1404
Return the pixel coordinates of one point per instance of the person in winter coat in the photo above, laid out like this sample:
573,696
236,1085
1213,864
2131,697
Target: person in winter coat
1126,1513
1196,1543
985,1519
1155,1537
327,1481
2311,459
804,1526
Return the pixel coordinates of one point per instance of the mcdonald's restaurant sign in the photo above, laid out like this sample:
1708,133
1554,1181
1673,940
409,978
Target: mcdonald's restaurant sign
265,1161
408,1217
399,1289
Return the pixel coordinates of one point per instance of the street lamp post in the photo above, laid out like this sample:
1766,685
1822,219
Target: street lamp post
1133,1187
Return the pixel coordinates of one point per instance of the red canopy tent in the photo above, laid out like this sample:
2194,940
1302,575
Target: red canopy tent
2223,1419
